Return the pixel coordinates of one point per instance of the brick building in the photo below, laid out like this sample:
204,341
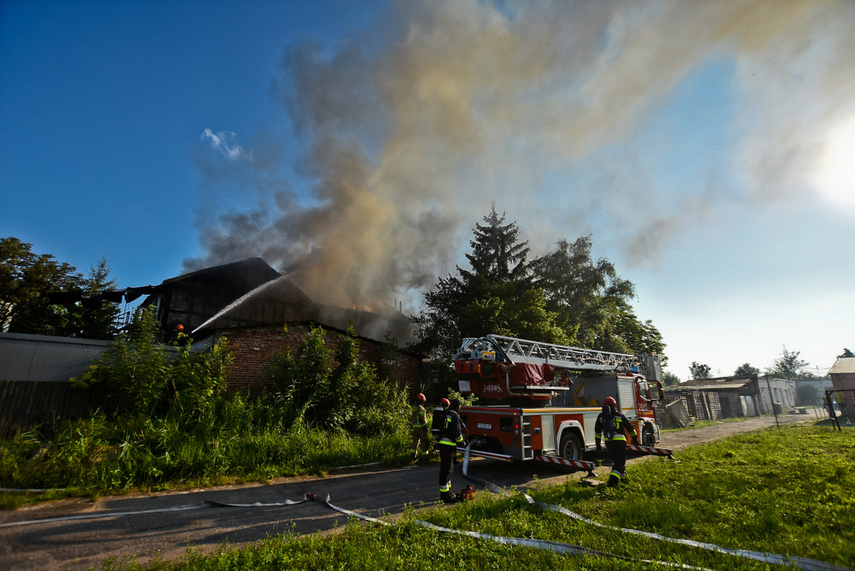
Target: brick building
253,348
842,375
262,312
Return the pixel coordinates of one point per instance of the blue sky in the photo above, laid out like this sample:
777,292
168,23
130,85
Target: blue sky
706,148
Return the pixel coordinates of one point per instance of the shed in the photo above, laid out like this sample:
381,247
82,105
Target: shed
842,375
717,398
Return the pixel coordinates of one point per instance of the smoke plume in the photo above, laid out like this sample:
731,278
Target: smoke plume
413,130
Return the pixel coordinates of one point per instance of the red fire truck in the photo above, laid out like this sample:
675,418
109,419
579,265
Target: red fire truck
542,400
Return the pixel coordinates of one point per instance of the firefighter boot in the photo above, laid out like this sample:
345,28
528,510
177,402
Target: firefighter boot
447,498
614,480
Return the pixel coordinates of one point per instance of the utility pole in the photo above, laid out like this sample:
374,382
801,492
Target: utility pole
769,386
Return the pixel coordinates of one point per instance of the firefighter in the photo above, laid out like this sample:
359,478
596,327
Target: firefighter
614,426
420,427
449,438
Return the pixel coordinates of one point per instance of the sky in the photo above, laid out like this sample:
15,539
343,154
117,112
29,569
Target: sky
707,148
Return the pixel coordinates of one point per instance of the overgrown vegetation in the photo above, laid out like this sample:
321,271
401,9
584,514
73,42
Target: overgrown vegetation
175,424
350,396
783,490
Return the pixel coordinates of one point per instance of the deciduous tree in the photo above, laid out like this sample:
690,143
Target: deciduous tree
745,370
699,370
43,296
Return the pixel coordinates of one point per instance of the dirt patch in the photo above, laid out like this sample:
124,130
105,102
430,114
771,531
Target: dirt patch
164,525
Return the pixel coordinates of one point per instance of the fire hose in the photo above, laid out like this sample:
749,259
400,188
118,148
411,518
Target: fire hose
558,547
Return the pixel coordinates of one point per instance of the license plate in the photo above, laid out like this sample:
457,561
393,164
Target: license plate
484,426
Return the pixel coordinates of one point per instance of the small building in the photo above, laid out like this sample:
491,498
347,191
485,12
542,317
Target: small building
783,394
842,375
717,398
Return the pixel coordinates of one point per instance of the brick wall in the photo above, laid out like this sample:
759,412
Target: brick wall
254,347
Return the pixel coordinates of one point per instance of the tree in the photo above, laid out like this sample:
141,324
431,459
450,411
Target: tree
495,296
746,370
564,297
42,296
26,280
699,370
592,302
93,317
788,366
670,379
497,252
847,354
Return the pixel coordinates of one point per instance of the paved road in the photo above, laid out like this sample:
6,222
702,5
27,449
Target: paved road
176,520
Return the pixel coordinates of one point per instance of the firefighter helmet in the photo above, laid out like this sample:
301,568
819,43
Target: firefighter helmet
610,402
444,402
421,398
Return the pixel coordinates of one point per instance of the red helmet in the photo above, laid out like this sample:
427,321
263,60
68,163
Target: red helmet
445,402
421,398
610,402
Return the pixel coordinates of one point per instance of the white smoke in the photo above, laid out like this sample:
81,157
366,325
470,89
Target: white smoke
413,130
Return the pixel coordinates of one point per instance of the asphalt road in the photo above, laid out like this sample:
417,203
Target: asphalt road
81,533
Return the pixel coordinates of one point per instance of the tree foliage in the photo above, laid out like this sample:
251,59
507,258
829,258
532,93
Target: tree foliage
746,370
42,296
148,379
699,370
670,379
348,395
563,297
788,365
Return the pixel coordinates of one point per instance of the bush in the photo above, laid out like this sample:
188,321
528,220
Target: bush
150,379
349,396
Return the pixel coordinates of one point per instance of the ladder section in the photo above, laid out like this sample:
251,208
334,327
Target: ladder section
560,356
525,427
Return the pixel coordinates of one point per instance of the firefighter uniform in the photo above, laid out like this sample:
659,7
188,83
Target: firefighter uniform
420,430
450,436
616,426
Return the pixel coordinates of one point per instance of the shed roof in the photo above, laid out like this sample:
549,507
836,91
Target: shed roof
721,383
842,366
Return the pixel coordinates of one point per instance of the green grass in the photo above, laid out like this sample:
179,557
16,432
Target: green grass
96,456
784,490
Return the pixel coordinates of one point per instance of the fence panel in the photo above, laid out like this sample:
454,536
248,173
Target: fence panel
25,404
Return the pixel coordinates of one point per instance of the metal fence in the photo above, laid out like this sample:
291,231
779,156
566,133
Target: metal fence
34,373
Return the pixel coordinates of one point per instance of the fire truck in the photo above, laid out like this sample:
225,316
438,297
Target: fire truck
541,400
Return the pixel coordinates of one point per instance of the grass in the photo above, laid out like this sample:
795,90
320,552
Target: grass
784,490
96,456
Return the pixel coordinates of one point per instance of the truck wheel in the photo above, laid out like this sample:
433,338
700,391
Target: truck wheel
572,447
647,437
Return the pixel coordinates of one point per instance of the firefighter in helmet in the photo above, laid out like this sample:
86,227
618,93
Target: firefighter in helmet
449,438
615,427
420,427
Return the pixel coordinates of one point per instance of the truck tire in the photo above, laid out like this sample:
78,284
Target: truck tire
647,436
572,447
